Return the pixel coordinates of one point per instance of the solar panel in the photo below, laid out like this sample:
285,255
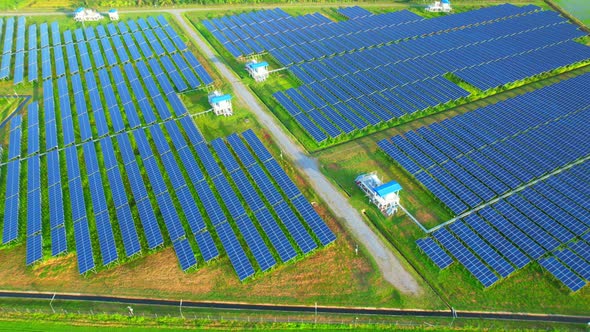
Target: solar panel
207,159
257,146
190,209
127,227
277,238
56,211
59,243
191,130
562,273
295,228
150,224
269,191
206,246
106,239
246,189
34,249
465,257
227,159
282,179
83,246
255,243
185,254
313,220
212,207
234,251
434,252
171,219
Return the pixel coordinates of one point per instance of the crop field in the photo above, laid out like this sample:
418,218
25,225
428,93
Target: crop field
580,9
370,102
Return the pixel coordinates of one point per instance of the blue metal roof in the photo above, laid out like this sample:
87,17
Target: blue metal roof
112,11
81,9
388,188
255,65
446,1
218,99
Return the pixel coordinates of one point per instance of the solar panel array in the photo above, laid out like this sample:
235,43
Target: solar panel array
97,50
375,69
186,187
518,187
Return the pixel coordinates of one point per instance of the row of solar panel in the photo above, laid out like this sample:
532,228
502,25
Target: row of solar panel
446,52
338,37
448,158
130,40
353,12
330,112
538,218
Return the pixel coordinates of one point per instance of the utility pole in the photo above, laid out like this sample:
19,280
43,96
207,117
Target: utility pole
181,315
316,313
51,303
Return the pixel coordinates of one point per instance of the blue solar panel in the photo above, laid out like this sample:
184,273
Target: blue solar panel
150,224
465,257
434,252
59,243
574,262
277,238
207,159
106,239
256,145
34,248
212,207
227,159
255,243
562,273
127,228
171,219
246,189
191,130
190,209
56,211
295,228
206,246
313,220
83,246
282,179
185,254
269,191
487,254
234,251
77,199
241,150
231,201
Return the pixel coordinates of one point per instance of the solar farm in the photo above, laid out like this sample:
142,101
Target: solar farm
375,71
513,193
117,197
119,174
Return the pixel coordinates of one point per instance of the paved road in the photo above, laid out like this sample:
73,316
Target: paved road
298,308
388,263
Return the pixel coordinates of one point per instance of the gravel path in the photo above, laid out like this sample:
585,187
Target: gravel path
388,263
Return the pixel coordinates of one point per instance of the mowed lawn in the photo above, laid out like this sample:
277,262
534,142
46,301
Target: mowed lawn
578,8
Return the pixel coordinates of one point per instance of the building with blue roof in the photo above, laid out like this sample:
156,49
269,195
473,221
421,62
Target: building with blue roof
258,70
384,195
221,103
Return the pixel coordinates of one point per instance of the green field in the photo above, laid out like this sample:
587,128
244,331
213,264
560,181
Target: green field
580,9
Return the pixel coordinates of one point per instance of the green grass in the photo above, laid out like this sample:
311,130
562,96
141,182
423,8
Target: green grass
580,9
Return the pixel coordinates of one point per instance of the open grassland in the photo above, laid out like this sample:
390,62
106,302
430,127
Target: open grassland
529,289
580,9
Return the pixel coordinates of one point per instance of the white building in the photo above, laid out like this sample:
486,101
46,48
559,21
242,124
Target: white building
114,15
221,103
384,196
84,15
258,70
440,6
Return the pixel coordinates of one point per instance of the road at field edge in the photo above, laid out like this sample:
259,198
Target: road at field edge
299,309
388,263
